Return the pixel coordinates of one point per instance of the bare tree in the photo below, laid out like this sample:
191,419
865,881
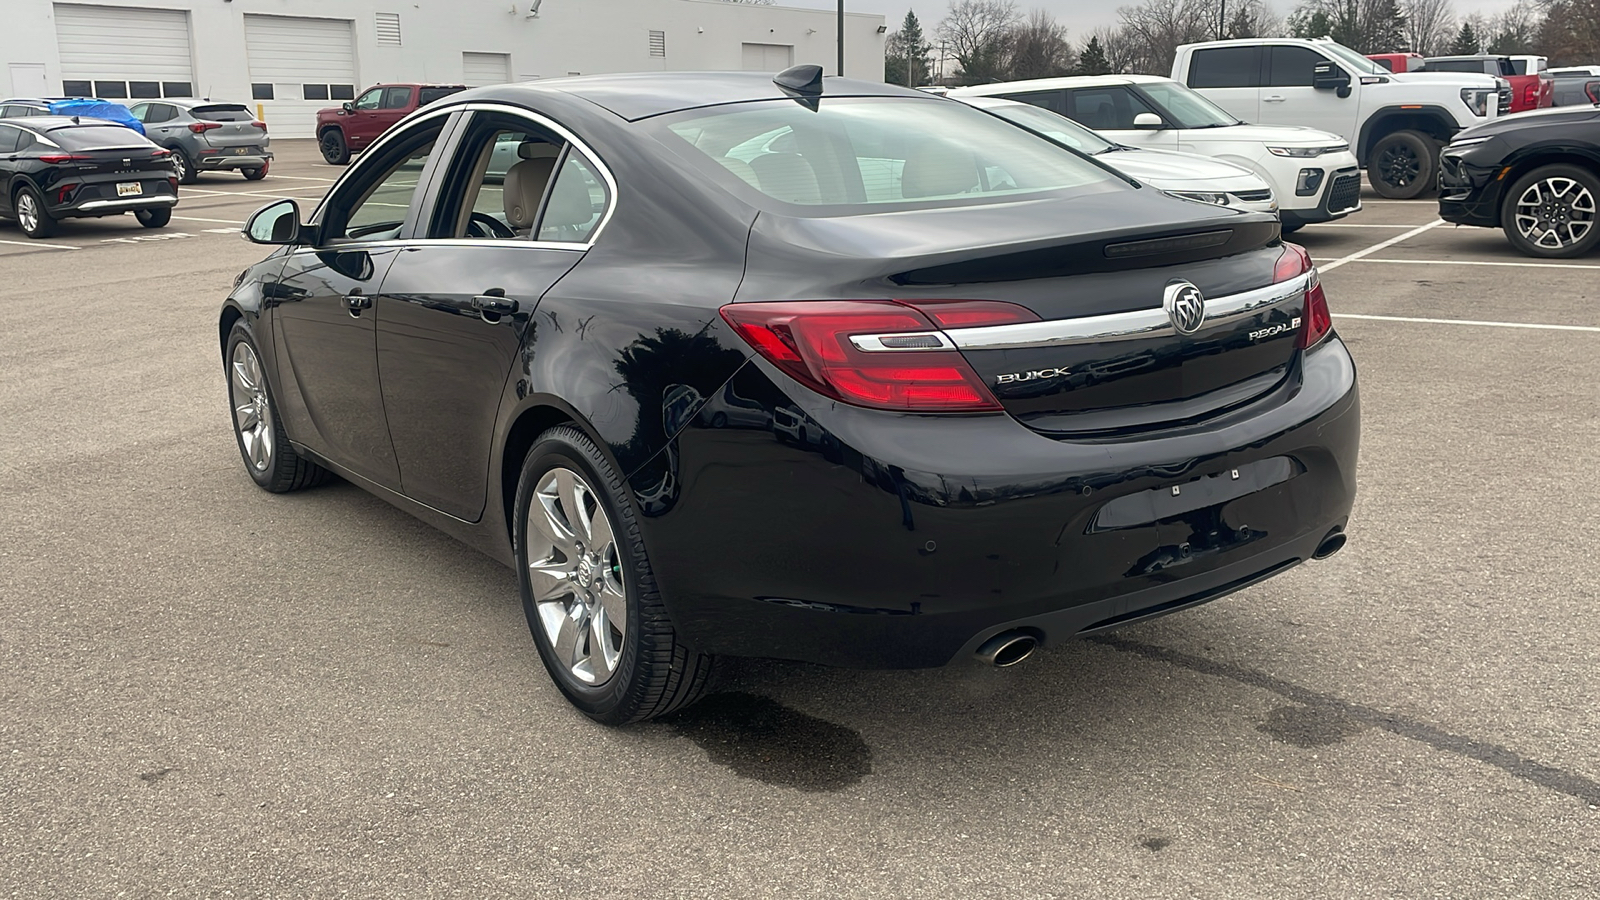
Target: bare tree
1157,27
1570,33
1430,26
977,33
1039,48
1122,52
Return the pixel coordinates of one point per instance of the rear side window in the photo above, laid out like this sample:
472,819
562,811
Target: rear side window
1225,67
576,203
223,113
858,154
9,138
160,112
428,95
98,137
396,98
1292,66
1055,101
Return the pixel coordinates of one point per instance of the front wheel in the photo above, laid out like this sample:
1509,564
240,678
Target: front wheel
154,218
1403,165
588,589
272,463
1550,212
334,150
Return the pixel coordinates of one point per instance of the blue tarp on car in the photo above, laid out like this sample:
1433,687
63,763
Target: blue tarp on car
97,109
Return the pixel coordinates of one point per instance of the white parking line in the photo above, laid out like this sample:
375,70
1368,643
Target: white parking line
305,178
1475,262
1353,225
42,246
1472,322
1381,245
197,219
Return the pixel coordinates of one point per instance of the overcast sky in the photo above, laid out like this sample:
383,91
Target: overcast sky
1080,16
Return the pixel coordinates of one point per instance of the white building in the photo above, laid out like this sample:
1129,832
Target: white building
293,57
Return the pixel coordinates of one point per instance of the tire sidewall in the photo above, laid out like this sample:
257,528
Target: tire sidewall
567,447
156,218
189,174
336,137
241,333
1508,208
1426,153
44,226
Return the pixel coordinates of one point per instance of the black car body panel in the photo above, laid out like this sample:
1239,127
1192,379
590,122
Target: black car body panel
86,168
1473,177
781,522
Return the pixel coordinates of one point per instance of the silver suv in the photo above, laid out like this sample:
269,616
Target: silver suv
207,137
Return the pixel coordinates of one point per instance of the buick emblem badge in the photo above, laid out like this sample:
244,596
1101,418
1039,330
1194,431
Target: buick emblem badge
1185,306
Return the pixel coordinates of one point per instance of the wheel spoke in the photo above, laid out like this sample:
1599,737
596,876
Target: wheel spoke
601,654
246,416
550,578
614,604
264,438
569,637
572,504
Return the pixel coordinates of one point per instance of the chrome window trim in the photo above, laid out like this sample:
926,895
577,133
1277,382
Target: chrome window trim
353,244
543,121
1124,326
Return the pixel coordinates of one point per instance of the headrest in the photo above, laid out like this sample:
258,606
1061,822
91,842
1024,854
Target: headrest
538,150
938,169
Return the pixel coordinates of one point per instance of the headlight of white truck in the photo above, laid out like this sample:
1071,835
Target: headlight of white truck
1479,100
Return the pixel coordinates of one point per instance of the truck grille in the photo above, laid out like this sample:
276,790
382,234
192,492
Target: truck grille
1345,194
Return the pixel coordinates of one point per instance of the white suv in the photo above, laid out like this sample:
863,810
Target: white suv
1313,173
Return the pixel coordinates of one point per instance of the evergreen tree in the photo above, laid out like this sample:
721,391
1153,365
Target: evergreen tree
1093,59
1318,25
1466,42
905,58
1386,31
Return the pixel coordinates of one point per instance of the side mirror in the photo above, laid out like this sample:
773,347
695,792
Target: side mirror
1327,76
1148,122
275,223
348,106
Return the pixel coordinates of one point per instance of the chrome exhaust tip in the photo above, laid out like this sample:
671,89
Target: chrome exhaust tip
1330,545
1007,649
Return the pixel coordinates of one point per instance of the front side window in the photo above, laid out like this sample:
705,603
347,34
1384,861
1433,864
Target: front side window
855,153
1187,108
1351,59
1291,66
396,98
1225,67
1106,108
373,208
371,99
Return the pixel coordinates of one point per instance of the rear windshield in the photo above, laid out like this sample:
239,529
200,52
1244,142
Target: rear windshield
855,154
223,113
97,137
428,95
1459,65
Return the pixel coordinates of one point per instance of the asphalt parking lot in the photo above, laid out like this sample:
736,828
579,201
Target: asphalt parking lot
212,691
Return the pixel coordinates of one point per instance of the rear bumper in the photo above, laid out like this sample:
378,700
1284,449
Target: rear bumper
874,540
221,160
99,200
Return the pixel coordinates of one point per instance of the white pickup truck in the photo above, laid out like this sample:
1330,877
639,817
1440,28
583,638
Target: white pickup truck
1395,123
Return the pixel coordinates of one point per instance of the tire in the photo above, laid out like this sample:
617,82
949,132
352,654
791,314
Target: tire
256,174
1403,165
268,457
614,675
334,150
1546,201
187,173
154,218
32,216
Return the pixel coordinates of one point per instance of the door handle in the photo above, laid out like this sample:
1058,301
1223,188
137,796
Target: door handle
495,302
356,301
1275,98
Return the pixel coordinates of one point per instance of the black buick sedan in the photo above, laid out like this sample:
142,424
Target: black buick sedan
1535,175
805,368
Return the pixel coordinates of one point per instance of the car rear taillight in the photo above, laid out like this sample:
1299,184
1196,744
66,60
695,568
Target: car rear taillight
161,154
1530,94
1593,90
55,158
65,192
880,354
260,125
203,127
1315,320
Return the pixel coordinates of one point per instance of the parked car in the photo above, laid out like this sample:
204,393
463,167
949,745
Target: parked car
1187,175
1398,62
1529,90
1312,174
1576,88
55,167
207,137
83,107
1047,401
1535,176
354,125
1395,122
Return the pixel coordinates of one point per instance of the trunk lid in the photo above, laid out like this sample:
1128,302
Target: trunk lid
1096,271
235,126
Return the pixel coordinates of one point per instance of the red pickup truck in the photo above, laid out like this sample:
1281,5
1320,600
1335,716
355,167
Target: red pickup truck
1532,91
351,128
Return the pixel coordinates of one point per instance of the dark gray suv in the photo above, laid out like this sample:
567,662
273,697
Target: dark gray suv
206,137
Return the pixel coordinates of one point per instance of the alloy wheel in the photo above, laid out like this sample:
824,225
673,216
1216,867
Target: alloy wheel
252,415
1555,213
27,212
181,166
1400,165
575,571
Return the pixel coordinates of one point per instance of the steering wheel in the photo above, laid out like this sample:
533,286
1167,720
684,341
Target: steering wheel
484,225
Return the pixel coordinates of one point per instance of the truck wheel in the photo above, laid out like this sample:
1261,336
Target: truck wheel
1551,212
333,147
1403,165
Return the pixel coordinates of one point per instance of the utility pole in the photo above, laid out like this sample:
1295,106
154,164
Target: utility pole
1222,18
841,39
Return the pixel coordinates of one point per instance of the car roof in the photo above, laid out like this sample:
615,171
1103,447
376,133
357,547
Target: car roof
55,123
1476,57
1071,81
640,95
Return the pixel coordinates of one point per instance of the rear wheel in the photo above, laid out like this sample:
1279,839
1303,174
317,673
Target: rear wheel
1403,165
588,589
184,166
272,463
153,218
31,215
256,174
1551,212
334,150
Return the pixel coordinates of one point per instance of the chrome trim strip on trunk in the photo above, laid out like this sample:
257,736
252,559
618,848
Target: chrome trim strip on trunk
134,201
1124,326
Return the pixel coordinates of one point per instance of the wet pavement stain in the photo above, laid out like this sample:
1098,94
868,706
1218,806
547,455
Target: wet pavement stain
1310,726
760,739
1156,843
156,775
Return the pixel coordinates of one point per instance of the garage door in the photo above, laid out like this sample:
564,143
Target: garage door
118,52
768,57
299,65
479,69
